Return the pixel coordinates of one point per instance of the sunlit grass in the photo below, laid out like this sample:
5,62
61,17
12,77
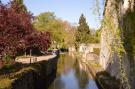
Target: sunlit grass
6,80
5,83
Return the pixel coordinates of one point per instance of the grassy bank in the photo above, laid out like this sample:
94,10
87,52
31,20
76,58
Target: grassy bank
38,73
7,79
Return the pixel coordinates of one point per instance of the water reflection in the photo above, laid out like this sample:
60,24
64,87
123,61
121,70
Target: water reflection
72,74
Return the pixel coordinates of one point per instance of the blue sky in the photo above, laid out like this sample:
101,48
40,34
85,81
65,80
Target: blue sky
69,10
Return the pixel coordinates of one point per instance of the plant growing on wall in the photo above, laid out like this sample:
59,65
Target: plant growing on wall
118,48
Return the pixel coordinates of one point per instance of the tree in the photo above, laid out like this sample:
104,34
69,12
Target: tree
13,29
18,5
45,21
16,29
70,36
83,31
39,41
48,22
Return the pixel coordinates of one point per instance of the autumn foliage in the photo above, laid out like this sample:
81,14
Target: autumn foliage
17,32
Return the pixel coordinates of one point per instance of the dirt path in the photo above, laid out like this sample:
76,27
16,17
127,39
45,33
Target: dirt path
34,59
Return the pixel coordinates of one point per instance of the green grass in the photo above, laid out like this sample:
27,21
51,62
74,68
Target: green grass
11,72
7,80
10,68
5,83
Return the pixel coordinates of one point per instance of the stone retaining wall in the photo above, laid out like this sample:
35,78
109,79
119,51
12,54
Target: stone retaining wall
40,78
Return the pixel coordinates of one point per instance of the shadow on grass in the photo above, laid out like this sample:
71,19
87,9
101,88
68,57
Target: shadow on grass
39,75
12,68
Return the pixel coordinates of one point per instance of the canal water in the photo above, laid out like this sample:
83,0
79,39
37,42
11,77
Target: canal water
72,74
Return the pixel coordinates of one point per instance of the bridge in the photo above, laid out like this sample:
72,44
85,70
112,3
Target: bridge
86,48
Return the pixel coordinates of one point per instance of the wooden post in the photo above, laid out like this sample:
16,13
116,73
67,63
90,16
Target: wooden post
30,56
25,53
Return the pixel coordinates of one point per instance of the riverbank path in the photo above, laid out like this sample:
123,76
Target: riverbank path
27,60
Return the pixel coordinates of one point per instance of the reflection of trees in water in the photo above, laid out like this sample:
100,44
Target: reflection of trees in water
65,64
58,84
81,74
60,64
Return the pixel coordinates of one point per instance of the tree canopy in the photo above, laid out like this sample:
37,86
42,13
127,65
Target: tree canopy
83,31
18,5
16,29
48,22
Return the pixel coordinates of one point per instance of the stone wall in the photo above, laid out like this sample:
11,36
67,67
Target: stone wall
88,47
107,35
38,78
87,52
114,13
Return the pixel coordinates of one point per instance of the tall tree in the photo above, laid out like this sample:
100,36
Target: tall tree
48,22
71,30
15,32
14,27
83,31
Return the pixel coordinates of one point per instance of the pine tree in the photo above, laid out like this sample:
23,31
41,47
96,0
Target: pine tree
83,31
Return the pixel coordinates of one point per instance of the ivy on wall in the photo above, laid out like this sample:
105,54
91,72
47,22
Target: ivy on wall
115,40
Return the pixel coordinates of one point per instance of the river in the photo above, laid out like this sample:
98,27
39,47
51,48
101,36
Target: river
72,74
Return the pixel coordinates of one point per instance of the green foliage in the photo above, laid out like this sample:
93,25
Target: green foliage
7,59
10,68
63,34
98,35
93,39
129,33
70,36
48,22
83,31
83,26
116,46
129,39
21,5
45,21
84,34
